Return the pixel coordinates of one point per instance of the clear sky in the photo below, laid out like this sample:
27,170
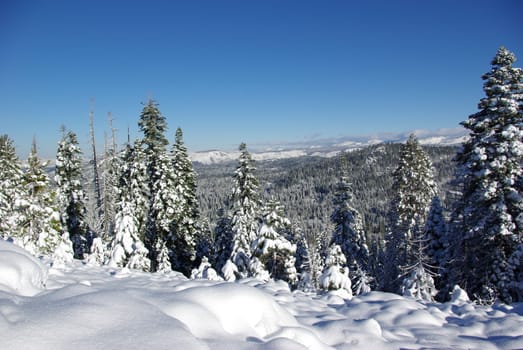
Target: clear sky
247,70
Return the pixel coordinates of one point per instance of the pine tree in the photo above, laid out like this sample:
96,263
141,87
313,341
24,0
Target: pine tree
110,167
205,245
349,233
71,196
223,238
245,207
97,205
419,284
160,181
414,188
127,250
273,250
182,242
435,236
132,174
317,261
303,261
12,196
488,223
42,226
335,276
127,247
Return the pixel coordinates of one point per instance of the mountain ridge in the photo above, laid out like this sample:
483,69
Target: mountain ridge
330,147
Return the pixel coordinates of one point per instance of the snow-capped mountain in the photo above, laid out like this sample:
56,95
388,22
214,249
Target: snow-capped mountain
331,147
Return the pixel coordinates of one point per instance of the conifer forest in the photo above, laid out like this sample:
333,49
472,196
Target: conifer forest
405,218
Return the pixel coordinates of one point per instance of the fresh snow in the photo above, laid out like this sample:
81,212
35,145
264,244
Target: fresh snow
78,306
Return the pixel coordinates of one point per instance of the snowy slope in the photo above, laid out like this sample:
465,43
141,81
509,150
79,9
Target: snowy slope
86,307
332,147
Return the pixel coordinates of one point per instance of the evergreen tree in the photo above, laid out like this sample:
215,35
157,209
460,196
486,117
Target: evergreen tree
414,188
71,196
317,261
42,226
245,207
132,175
273,250
205,246
96,211
419,284
12,196
110,168
160,183
182,242
435,236
349,233
223,239
303,261
335,276
127,247
488,222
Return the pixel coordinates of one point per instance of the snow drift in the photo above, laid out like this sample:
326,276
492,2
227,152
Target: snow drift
20,272
84,307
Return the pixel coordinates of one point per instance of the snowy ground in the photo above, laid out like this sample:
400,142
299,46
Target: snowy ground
82,307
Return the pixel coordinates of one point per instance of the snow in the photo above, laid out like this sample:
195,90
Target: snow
90,307
20,272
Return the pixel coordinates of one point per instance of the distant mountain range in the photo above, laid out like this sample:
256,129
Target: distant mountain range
331,147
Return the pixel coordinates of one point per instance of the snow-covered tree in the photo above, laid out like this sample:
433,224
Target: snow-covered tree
258,270
132,184
205,246
303,261
182,241
72,198
110,170
12,196
42,227
490,214
419,284
162,258
160,181
349,233
245,211
230,271
271,247
223,239
336,273
414,188
205,271
435,235
127,246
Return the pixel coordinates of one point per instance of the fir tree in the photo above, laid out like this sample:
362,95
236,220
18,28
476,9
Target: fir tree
414,188
245,207
223,239
127,247
110,168
12,196
303,261
335,276
273,250
42,226
349,233
71,196
183,240
160,181
435,236
205,246
488,221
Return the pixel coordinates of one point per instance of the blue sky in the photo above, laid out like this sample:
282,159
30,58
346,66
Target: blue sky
253,71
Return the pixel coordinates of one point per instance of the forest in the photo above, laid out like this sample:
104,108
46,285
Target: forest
399,218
